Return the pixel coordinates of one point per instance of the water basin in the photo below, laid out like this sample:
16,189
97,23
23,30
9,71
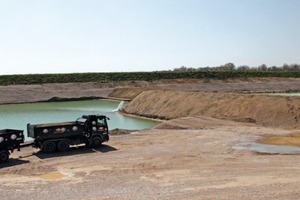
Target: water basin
267,148
16,116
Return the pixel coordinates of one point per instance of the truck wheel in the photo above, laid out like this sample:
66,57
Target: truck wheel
96,142
49,147
63,145
4,155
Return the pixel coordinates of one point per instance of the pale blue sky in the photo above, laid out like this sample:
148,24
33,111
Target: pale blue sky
62,36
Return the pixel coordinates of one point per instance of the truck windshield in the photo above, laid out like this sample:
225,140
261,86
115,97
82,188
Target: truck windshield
101,122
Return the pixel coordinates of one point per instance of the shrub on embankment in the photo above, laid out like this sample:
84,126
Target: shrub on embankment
275,111
137,76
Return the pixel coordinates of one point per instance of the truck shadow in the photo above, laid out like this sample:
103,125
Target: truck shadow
13,162
75,151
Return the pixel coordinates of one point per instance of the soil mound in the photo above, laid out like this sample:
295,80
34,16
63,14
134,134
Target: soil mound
266,110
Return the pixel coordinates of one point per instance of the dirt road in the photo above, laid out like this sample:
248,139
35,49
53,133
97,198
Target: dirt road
197,163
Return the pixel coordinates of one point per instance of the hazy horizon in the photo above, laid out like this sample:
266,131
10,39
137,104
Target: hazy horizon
61,36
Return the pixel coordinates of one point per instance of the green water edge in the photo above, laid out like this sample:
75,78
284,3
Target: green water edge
17,116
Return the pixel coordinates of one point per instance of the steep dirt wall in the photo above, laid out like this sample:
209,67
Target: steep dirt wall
44,92
276,111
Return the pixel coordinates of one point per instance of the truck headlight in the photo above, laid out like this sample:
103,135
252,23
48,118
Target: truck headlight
13,136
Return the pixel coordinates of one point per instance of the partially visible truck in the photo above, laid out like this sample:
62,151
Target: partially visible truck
10,139
91,130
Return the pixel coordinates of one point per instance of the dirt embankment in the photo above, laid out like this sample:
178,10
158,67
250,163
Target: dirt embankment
129,90
54,92
169,99
266,110
250,85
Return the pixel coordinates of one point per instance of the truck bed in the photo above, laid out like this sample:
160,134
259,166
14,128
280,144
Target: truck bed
54,124
54,130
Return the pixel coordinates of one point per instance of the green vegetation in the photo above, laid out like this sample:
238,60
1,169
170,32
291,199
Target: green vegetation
231,66
139,76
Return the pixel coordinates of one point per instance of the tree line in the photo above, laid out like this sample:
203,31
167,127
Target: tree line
140,76
230,67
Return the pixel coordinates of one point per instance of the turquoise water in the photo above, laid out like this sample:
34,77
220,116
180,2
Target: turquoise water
267,148
16,116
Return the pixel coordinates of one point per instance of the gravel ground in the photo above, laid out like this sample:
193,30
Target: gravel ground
196,163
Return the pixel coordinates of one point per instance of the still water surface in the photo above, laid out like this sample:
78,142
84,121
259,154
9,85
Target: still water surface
285,94
16,116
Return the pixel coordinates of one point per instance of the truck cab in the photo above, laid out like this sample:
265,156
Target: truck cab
95,124
10,139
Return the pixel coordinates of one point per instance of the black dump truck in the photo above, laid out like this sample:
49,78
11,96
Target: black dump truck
10,139
91,130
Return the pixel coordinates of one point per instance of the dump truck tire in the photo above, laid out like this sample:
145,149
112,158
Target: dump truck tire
63,145
96,142
49,147
4,156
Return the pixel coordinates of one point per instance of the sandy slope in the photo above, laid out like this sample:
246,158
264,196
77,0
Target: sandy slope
266,110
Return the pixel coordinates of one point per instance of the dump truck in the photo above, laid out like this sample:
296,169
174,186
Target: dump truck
10,139
91,130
